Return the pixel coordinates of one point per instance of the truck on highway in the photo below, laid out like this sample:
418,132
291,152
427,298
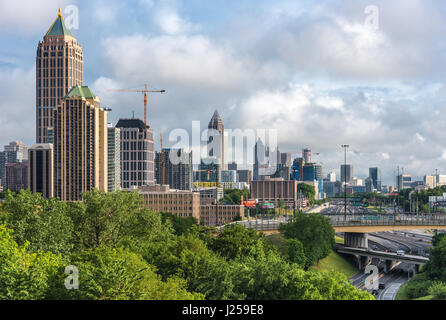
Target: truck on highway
400,253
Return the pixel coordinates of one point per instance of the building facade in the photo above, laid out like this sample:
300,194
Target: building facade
178,202
41,168
17,176
375,175
346,173
137,153
14,152
114,159
177,167
214,215
80,145
59,67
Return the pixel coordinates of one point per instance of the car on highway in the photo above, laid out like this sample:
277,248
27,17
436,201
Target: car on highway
381,286
400,253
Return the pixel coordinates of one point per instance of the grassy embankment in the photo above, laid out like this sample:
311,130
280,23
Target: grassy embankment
333,262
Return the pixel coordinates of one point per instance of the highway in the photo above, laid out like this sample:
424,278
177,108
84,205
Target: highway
415,242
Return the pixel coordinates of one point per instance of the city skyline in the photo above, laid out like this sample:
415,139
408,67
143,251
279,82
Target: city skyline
388,117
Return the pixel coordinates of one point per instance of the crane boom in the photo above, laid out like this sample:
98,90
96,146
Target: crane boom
145,91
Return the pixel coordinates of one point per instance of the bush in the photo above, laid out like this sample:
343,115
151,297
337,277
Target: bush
438,290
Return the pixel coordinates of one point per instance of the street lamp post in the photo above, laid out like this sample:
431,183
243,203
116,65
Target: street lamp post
345,146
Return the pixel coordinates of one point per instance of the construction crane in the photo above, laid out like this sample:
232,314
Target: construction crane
145,91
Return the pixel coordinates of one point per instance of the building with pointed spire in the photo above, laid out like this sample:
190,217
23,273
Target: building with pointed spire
80,145
216,141
59,67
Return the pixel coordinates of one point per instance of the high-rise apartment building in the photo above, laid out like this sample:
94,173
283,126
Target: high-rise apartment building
331,177
429,181
404,181
114,159
177,167
40,170
297,169
59,67
80,145
216,140
137,153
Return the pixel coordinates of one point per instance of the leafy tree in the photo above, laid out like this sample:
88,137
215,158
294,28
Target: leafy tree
111,218
233,196
296,253
44,223
181,225
233,240
316,234
119,274
438,290
24,275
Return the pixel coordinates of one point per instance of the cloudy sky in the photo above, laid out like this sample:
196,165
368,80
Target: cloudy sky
322,73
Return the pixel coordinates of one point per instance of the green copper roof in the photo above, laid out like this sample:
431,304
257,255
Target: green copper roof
80,91
58,28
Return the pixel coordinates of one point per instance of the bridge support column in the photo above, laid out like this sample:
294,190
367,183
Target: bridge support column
389,265
416,269
356,240
363,261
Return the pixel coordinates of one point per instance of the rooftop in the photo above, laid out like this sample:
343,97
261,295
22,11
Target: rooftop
58,28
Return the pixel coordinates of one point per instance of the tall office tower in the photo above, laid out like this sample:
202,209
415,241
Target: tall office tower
346,170
59,67
307,155
375,175
114,158
177,167
331,177
263,165
80,145
40,170
137,153
216,137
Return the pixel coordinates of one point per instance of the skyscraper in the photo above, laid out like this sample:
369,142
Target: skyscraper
346,170
375,175
137,153
40,170
80,145
59,67
114,159
178,174
216,140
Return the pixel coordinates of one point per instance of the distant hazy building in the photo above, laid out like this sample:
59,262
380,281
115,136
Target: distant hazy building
137,153
229,176
297,169
346,172
331,177
16,176
14,152
369,185
375,175
209,171
59,67
285,159
114,159
216,140
357,182
429,181
306,154
261,161
232,166
440,180
244,176
404,181
80,145
40,170
177,174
